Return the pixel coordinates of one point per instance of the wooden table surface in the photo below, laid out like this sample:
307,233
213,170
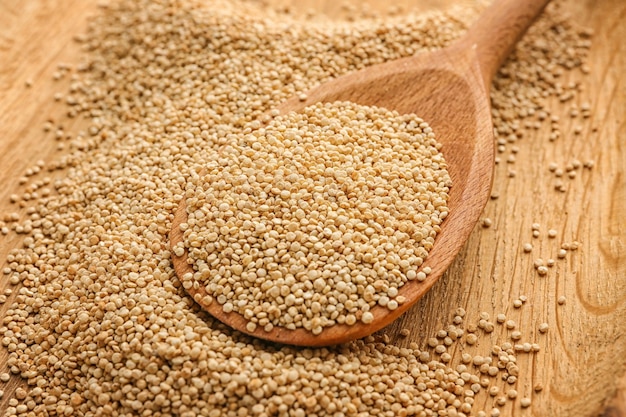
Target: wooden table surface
583,354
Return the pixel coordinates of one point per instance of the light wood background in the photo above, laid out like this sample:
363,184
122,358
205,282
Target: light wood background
583,354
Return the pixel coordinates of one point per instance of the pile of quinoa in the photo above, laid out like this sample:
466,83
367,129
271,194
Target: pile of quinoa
101,325
317,217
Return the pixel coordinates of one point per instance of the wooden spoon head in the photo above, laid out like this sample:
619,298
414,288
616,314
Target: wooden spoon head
444,88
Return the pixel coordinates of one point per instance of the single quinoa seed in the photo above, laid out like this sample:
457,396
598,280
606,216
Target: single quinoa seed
525,402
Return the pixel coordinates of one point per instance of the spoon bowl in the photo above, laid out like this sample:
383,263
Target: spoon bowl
449,89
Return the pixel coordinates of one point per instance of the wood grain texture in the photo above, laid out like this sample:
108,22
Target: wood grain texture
617,406
584,352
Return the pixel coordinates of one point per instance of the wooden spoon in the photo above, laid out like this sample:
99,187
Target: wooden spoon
449,89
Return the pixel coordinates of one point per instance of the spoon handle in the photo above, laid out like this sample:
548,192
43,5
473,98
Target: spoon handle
498,29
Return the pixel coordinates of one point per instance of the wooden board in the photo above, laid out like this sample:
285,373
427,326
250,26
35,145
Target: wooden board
583,354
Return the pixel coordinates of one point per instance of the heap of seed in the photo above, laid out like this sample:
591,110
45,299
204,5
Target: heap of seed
317,217
101,325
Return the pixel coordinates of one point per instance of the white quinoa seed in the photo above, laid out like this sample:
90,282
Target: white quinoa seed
525,402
